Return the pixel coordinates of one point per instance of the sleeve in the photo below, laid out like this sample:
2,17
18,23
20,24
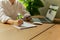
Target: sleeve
3,17
23,10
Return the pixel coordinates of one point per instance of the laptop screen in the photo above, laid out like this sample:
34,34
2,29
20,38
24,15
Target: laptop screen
52,12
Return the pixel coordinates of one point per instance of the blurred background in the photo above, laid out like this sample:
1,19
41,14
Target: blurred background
40,7
32,6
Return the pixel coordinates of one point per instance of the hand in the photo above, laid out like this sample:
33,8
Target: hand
27,17
15,22
20,22
10,21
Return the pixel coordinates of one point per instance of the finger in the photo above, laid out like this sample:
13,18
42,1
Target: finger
20,21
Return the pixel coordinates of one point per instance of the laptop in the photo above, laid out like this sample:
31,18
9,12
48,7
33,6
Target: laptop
49,16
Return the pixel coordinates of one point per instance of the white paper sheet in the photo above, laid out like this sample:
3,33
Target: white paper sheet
25,25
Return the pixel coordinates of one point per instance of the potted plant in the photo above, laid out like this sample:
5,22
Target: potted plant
32,6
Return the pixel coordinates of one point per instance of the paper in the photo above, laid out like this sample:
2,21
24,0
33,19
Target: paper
25,25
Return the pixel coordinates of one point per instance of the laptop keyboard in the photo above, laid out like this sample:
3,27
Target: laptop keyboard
36,20
42,20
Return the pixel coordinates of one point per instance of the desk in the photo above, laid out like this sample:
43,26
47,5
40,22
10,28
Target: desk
51,34
8,32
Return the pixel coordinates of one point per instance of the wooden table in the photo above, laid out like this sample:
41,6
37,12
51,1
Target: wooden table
8,32
51,34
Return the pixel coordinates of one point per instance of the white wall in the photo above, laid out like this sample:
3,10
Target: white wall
43,10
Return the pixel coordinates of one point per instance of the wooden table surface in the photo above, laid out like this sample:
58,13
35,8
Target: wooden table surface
8,32
51,34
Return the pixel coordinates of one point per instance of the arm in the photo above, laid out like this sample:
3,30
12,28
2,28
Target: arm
6,19
3,17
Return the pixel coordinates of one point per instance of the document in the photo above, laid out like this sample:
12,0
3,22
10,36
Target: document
25,25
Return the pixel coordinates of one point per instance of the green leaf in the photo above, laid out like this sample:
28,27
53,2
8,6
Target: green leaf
32,6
